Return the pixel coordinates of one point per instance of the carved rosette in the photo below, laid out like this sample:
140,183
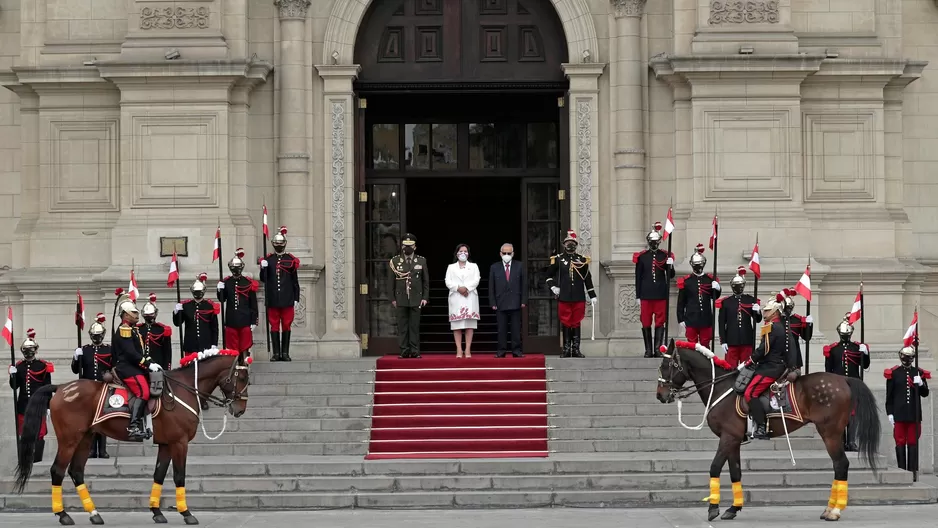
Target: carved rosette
174,18
296,9
584,143
743,12
628,312
629,8
339,305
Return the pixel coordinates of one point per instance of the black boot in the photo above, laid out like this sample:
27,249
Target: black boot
94,446
285,347
850,434
757,412
565,353
102,446
40,447
900,457
575,342
913,458
646,336
135,430
659,340
275,344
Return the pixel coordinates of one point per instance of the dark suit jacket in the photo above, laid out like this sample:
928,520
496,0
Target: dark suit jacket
508,295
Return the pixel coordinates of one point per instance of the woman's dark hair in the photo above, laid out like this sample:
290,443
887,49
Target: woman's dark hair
456,252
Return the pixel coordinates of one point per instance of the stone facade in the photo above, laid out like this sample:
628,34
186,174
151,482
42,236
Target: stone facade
805,122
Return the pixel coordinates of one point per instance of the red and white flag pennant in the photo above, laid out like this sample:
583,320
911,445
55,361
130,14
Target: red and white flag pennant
132,290
856,311
173,271
912,333
216,253
803,288
668,226
754,262
266,229
8,327
713,233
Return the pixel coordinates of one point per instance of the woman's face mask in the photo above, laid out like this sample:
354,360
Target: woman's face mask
462,256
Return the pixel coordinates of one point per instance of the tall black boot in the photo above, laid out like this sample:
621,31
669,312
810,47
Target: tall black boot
275,344
646,336
850,436
913,458
40,447
102,446
900,457
136,428
565,332
285,347
757,412
575,342
659,340
94,446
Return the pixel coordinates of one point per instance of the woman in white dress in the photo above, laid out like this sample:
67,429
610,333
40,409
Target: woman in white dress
462,280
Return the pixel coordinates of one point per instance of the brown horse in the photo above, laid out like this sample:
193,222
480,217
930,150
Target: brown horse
75,406
826,400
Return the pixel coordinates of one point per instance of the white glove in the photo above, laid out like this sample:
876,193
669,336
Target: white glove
892,420
756,308
670,261
221,285
555,290
715,285
264,263
78,353
918,381
683,327
638,302
726,348
809,319
865,349
177,308
296,305
155,367
12,369
593,301
253,327
741,366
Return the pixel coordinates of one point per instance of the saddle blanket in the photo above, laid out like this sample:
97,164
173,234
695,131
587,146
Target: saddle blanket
784,402
114,402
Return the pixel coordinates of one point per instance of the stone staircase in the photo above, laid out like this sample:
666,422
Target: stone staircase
302,442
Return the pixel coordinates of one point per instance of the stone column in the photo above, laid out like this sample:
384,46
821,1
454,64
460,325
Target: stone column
293,154
627,73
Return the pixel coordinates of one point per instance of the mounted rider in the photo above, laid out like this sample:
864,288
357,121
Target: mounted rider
133,365
775,356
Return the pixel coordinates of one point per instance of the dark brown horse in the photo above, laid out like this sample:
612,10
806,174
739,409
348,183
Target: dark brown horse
826,400
74,408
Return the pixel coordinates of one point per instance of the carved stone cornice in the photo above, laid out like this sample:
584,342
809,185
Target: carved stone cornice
630,8
293,9
743,12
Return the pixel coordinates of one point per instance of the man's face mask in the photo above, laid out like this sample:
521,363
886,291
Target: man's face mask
653,244
279,248
906,360
97,339
738,288
29,353
698,268
570,247
409,250
198,295
149,318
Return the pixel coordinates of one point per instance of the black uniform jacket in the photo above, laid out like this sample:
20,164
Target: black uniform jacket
281,281
129,353
201,324
845,359
694,300
736,323
652,274
571,273
901,392
240,298
93,363
30,376
157,343
775,353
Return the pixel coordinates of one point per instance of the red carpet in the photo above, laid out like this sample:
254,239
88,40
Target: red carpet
444,407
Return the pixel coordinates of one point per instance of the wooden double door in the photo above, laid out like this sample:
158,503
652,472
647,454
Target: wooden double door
478,170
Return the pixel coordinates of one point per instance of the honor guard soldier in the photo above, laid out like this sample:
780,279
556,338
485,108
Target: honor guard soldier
906,385
26,377
91,362
569,279
198,318
695,293
281,293
239,294
133,366
847,358
157,337
739,314
654,269
802,327
411,293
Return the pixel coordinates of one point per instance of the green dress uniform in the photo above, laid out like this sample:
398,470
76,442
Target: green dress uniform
411,286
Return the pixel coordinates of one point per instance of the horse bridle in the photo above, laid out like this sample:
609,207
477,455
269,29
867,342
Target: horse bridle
675,366
235,393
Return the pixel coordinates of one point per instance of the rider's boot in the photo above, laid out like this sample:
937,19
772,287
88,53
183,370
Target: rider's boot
659,340
646,336
285,347
135,430
757,411
275,344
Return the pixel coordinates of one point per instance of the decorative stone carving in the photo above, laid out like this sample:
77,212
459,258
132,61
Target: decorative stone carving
299,315
628,311
584,150
339,305
744,12
174,18
293,8
629,8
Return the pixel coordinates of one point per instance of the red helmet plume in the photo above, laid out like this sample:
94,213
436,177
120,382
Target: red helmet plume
31,333
700,248
283,230
152,297
118,292
239,253
741,270
203,277
657,226
100,318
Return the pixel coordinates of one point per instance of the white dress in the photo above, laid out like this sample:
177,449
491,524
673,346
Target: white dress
463,310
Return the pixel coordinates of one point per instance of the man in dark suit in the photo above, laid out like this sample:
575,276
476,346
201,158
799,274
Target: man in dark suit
508,294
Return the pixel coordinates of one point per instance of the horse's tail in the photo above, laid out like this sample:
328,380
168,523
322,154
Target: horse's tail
32,423
867,419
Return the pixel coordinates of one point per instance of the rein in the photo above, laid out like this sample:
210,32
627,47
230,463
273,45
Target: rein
214,400
682,393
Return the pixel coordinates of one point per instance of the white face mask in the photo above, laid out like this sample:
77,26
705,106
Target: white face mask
506,258
462,257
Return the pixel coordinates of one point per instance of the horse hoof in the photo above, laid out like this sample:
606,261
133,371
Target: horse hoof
158,517
65,519
730,513
827,511
96,519
713,512
189,518
834,515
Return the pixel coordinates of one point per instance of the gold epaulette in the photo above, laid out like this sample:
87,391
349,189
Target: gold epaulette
126,331
766,329
553,260
587,259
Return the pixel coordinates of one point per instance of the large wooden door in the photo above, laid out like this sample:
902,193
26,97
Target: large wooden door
541,214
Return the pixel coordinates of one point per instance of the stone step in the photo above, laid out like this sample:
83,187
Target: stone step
399,483
671,445
570,398
317,366
859,495
665,432
311,389
252,424
288,411
308,401
624,410
234,447
289,378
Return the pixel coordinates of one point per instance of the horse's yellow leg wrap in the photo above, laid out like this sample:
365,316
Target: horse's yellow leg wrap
181,505
832,501
841,495
57,505
714,497
85,497
738,494
155,492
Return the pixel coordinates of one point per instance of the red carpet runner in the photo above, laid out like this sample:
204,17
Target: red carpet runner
444,407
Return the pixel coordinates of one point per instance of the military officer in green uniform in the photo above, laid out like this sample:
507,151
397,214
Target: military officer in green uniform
411,293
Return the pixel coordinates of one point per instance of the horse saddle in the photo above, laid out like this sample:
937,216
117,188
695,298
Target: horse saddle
115,399
778,400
